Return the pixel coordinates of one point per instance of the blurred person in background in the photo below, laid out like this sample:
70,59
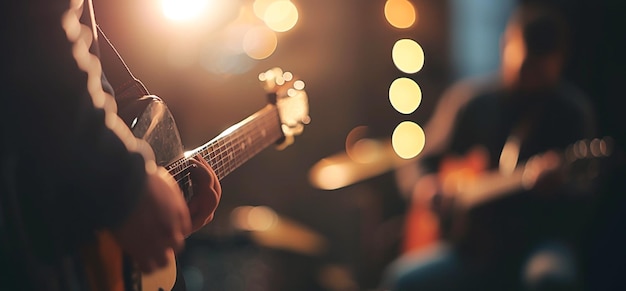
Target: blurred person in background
507,217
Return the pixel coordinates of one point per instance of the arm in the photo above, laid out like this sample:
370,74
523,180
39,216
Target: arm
79,171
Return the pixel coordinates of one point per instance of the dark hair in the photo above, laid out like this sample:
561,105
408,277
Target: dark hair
544,29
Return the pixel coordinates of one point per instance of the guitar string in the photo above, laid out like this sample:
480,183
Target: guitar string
224,164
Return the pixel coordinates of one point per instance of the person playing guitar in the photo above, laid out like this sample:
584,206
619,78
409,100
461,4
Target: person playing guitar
70,165
480,235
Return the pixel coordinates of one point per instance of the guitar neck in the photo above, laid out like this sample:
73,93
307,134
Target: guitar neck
242,141
492,185
233,147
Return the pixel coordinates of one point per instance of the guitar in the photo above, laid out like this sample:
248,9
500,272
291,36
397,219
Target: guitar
471,186
465,183
149,119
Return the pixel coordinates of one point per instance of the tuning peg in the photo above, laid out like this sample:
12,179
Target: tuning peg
274,78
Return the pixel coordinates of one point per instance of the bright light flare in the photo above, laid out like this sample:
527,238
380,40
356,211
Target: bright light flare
405,95
184,9
408,56
400,13
408,139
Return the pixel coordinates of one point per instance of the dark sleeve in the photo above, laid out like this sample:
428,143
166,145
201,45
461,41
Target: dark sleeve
74,175
460,138
587,123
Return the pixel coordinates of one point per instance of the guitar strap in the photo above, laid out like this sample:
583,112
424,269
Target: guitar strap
124,84
509,156
127,89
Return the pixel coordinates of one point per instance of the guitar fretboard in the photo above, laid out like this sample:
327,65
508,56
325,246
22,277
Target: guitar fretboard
233,147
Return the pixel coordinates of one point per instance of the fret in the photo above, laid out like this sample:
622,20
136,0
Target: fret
231,154
234,146
184,183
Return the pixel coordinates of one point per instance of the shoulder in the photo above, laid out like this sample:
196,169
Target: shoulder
574,98
472,90
574,101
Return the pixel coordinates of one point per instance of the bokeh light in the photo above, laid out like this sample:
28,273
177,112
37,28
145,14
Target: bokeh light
408,139
408,56
260,6
361,149
260,42
400,13
329,175
254,218
281,16
405,95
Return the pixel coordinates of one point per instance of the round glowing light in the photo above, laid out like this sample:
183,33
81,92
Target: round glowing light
262,218
361,149
260,43
183,9
254,218
281,16
288,76
260,6
298,85
328,175
400,13
408,139
405,95
408,56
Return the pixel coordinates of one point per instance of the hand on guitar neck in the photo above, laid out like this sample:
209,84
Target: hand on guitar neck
467,182
207,194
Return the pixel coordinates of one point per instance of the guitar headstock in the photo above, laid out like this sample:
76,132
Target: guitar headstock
287,92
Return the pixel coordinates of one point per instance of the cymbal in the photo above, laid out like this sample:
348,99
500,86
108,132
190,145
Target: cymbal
270,229
368,158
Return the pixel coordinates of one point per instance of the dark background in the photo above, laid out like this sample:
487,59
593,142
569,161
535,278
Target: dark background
342,50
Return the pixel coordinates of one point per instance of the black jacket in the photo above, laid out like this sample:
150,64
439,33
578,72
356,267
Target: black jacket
65,172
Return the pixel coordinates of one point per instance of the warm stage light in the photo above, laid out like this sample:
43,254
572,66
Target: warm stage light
400,13
361,149
260,6
330,175
405,95
183,9
254,218
408,140
408,56
269,229
260,42
281,16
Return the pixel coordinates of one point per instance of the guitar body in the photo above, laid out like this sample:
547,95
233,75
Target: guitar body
108,268
426,223
466,183
150,119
